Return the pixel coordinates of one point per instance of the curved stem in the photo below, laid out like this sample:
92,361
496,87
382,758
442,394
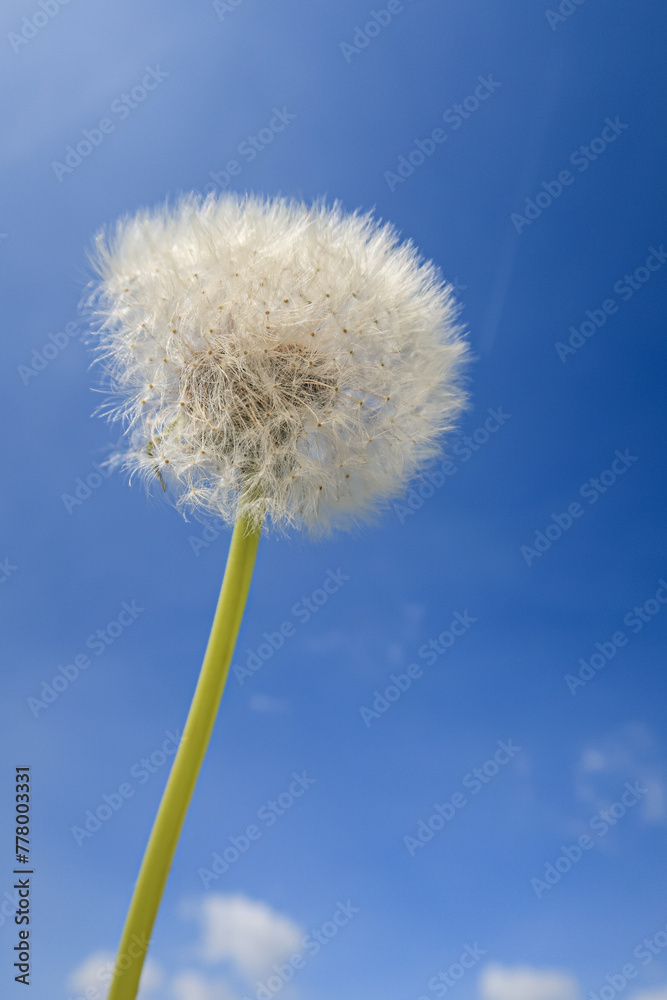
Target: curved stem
166,830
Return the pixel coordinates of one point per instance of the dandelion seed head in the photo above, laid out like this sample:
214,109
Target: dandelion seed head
292,362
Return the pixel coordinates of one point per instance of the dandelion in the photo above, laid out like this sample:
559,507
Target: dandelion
289,362
276,365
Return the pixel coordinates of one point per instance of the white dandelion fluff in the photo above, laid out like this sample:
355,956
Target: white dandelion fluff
270,358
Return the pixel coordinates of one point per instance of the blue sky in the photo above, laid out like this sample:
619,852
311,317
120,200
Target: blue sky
540,198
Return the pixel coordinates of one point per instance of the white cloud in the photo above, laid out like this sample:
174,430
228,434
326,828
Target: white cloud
94,975
91,974
192,986
246,932
522,982
630,754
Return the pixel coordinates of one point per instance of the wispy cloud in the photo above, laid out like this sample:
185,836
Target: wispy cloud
521,982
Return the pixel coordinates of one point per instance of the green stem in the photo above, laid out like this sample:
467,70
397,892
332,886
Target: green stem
187,763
